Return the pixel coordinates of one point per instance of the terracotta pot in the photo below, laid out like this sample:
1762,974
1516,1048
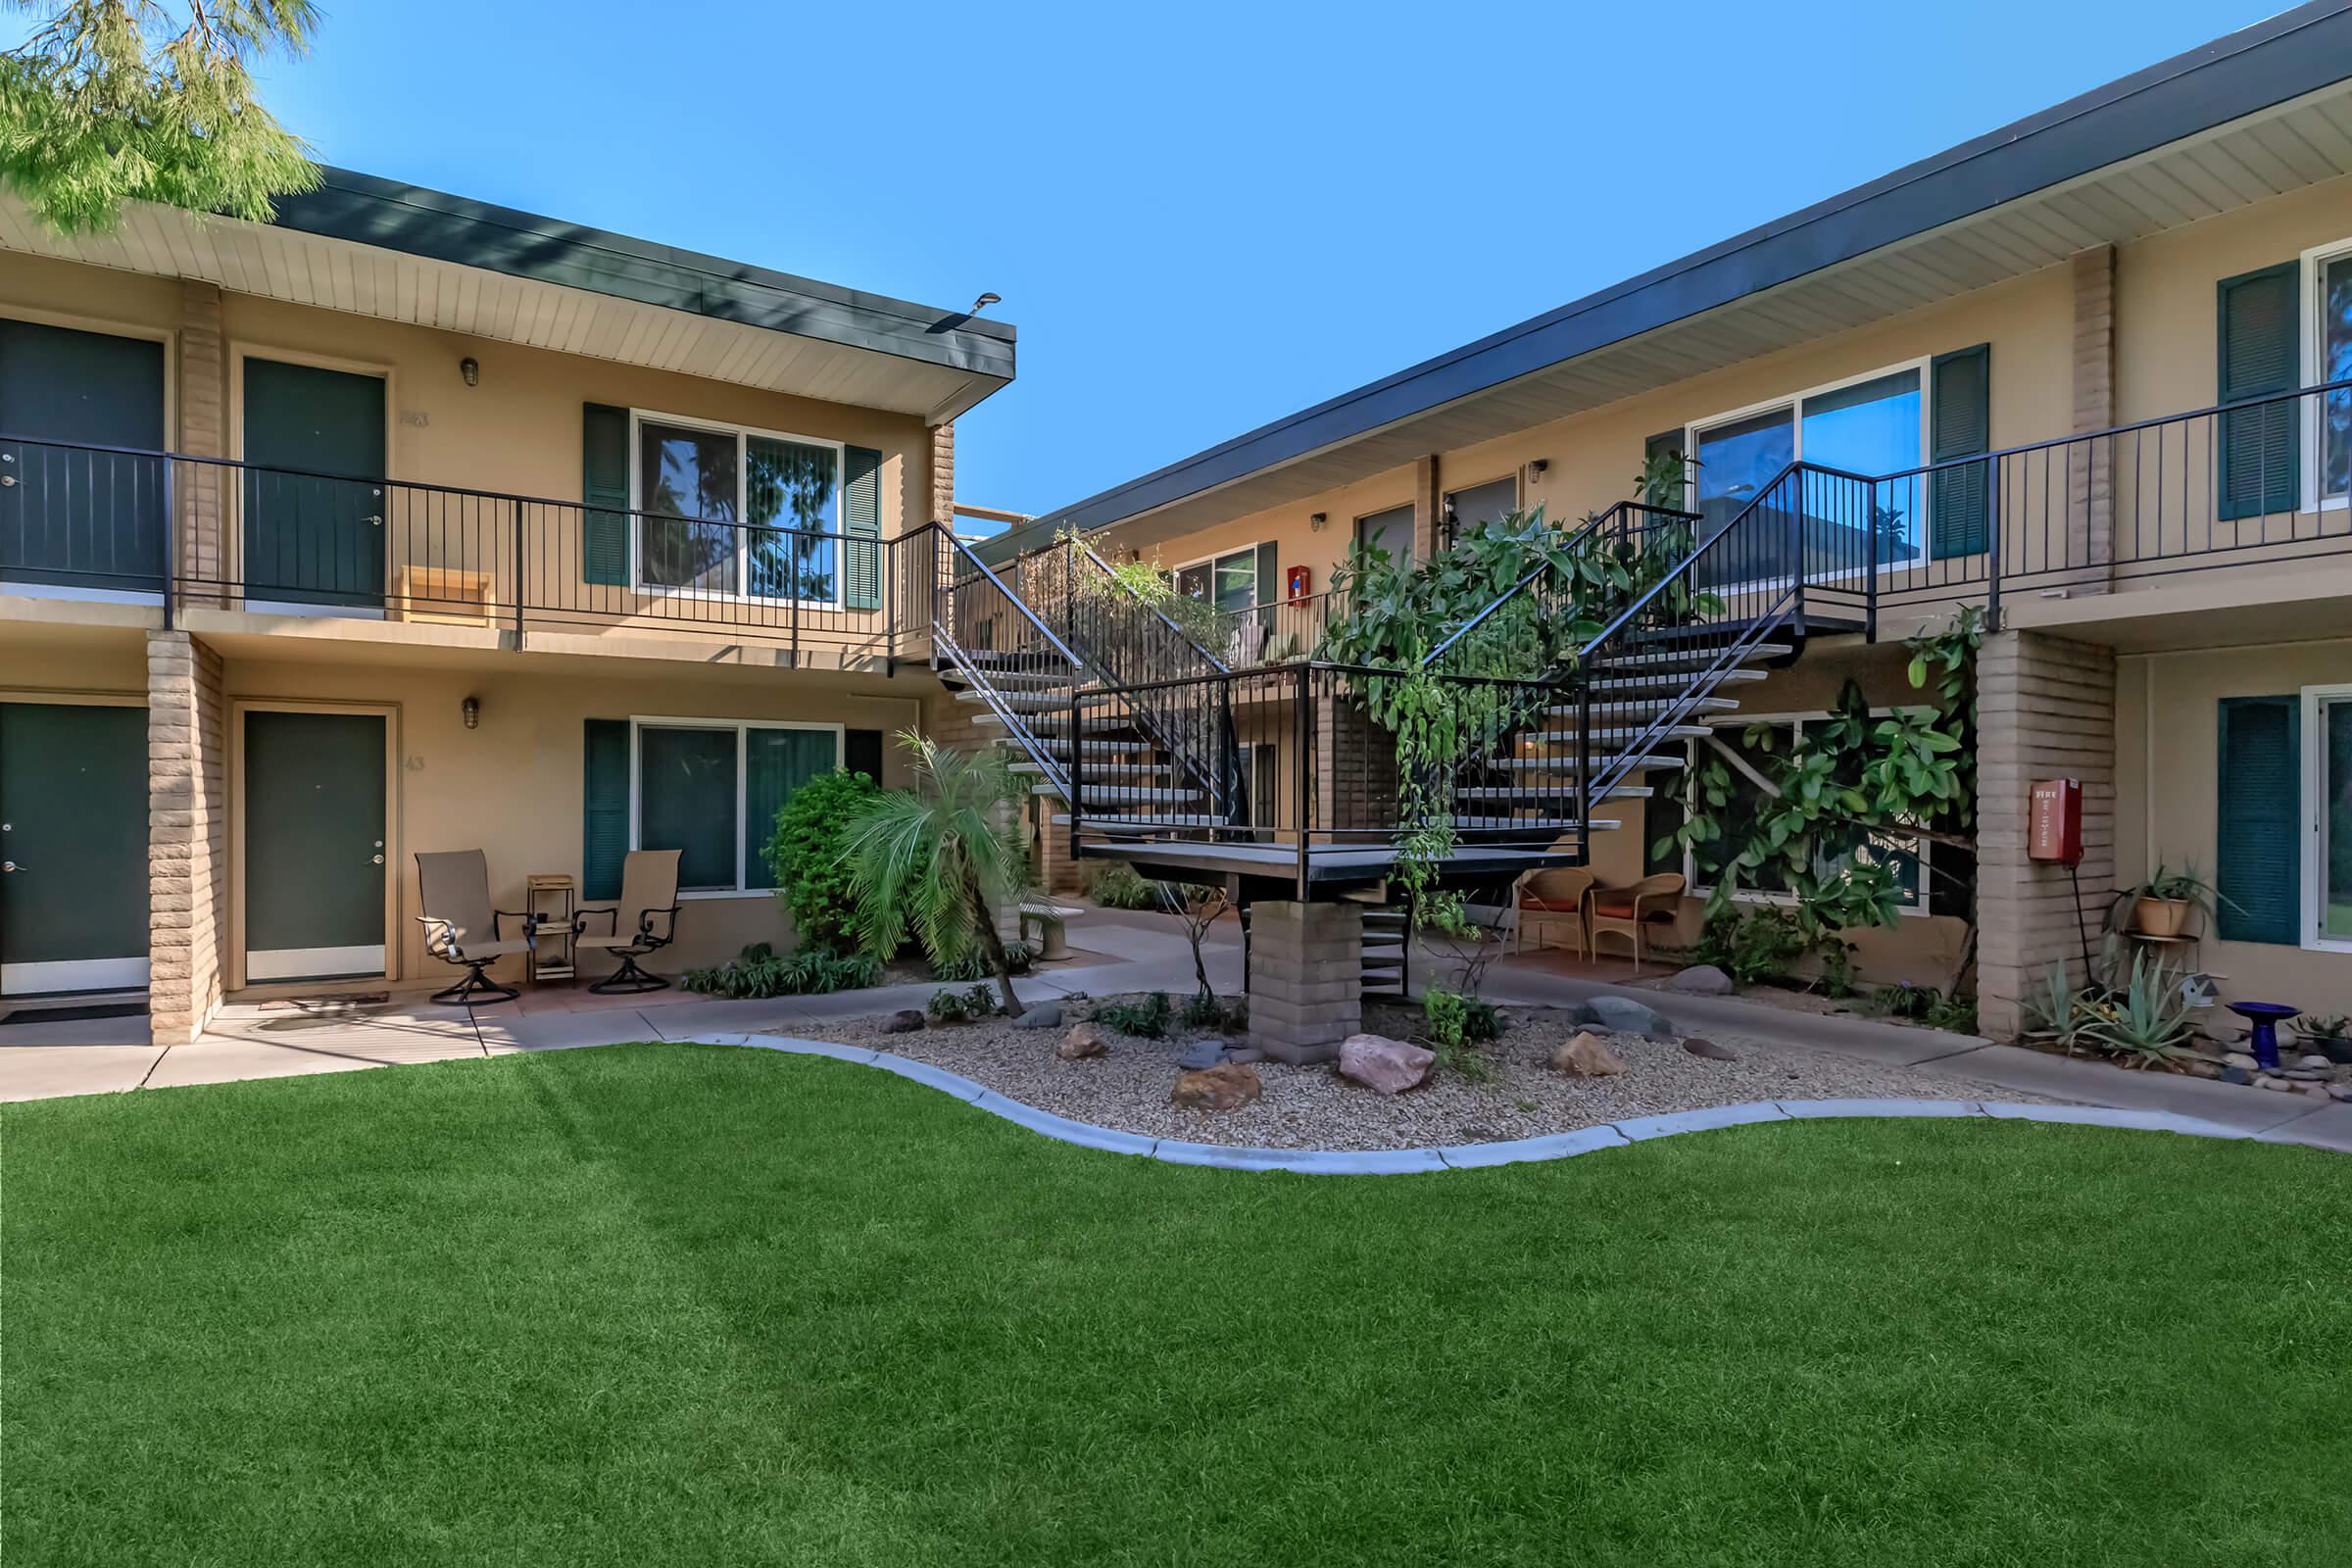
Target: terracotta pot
2160,917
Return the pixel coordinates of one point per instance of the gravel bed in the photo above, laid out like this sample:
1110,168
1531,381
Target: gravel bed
1313,1108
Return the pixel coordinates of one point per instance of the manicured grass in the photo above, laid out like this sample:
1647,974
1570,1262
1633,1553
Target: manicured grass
682,1305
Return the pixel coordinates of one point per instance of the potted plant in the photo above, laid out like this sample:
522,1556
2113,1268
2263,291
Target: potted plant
2330,1035
2161,904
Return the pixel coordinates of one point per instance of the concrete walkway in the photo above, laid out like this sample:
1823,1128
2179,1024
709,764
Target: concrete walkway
1117,951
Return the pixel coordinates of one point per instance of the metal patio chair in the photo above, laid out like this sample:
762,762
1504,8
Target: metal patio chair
460,928
649,897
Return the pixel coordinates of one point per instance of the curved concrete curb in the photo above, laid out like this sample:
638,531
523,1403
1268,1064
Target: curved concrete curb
1453,1156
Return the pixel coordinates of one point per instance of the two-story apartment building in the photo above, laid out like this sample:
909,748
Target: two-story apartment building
407,523
2085,374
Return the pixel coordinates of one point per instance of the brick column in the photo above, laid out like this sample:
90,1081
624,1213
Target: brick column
2045,709
1307,978
2090,501
942,498
198,546
1429,508
187,835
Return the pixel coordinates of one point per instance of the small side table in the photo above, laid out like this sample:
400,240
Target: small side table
549,895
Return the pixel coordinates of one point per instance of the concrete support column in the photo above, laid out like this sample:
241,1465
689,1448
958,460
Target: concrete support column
187,835
1307,982
2045,709
2090,503
199,545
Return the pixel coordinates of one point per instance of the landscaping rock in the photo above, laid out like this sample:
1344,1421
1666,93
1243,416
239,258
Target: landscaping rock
2196,1067
1045,1015
1228,1087
2240,1060
1701,980
2266,1081
1623,1015
1201,1053
1587,1056
1709,1049
1083,1041
904,1021
1390,1066
2236,1075
1243,1053
2314,1059
2339,1091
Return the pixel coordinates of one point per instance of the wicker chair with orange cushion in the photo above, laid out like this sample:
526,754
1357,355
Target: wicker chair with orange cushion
1632,912
1554,894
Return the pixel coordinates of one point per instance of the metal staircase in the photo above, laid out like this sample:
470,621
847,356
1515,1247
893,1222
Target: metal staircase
1133,727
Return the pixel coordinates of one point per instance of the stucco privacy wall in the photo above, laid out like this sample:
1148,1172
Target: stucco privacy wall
512,787
519,431
2168,735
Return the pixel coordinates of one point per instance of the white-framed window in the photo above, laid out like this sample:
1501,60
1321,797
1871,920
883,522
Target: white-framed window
1748,762
1873,424
1229,580
2327,356
759,511
710,788
2327,733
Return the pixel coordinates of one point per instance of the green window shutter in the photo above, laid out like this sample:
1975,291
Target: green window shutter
1269,573
605,816
2259,847
604,492
861,520
2260,353
1960,425
775,763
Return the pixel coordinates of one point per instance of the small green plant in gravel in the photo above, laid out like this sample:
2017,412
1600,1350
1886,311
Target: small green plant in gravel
758,972
962,1006
1147,1019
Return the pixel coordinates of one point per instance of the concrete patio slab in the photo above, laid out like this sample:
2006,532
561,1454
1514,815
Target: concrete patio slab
504,1033
2328,1127
45,1072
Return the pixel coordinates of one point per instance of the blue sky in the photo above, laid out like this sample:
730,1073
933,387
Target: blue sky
1201,217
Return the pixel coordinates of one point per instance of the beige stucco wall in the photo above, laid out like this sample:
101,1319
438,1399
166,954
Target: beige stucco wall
512,787
2167,785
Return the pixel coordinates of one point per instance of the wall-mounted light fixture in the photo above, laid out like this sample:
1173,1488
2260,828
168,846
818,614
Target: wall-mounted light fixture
1539,467
472,709
1315,522
471,369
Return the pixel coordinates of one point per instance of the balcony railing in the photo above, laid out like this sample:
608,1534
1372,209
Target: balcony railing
213,533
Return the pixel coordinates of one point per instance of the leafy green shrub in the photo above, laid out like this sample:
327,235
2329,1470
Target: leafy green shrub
806,854
1147,1019
758,973
1906,1001
1769,941
961,1007
1203,1011
1443,1015
972,963
1480,1019
1836,968
1120,885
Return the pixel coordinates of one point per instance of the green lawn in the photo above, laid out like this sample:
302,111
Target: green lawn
688,1305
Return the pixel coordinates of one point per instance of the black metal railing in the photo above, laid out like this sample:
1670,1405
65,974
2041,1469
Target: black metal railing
1276,633
1641,541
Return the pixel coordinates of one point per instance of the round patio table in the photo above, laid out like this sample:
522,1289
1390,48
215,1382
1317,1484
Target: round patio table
2264,1017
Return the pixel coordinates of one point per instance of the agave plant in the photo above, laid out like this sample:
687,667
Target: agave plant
2146,1023
2056,1009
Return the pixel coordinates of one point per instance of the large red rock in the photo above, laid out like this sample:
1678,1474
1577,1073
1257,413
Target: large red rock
1390,1066
1587,1056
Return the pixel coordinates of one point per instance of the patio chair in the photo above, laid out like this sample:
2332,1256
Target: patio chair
1554,894
460,928
649,897
1633,912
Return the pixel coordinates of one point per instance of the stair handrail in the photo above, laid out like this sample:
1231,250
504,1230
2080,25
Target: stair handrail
1018,602
1214,663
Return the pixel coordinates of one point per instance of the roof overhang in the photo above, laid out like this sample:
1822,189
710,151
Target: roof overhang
400,253
2252,115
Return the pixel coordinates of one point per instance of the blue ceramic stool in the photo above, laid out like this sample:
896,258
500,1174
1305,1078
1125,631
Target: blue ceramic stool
2264,1017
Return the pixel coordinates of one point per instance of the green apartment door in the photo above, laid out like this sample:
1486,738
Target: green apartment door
69,516
314,845
73,848
311,538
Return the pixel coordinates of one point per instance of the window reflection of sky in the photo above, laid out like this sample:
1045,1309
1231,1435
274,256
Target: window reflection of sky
1870,428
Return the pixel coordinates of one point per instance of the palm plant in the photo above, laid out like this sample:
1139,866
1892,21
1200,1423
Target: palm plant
940,858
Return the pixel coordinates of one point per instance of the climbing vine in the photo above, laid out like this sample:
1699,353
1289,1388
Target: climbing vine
1833,810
